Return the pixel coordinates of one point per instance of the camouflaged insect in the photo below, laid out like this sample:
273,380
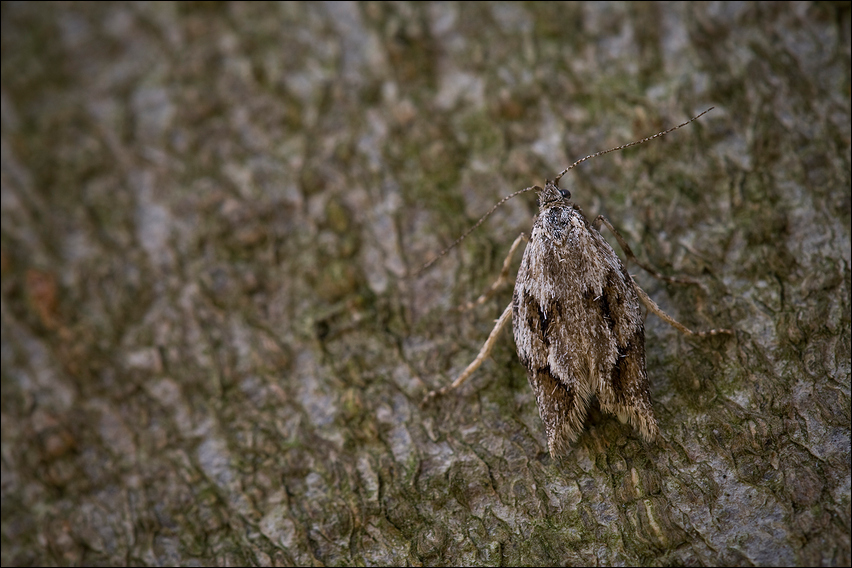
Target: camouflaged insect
576,318
577,324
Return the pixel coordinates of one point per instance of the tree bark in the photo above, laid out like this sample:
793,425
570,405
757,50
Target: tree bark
214,350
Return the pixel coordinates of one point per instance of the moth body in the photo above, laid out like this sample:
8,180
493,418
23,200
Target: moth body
577,324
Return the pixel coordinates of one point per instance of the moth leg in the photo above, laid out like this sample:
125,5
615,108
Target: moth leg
652,305
483,354
501,280
626,248
646,299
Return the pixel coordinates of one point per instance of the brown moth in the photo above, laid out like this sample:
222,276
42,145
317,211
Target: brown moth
577,323
576,318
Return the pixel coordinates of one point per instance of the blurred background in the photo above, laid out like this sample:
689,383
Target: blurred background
213,351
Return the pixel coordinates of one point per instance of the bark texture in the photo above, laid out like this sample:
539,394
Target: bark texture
211,353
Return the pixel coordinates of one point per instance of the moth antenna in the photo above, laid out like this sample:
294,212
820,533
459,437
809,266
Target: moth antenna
469,231
555,181
657,135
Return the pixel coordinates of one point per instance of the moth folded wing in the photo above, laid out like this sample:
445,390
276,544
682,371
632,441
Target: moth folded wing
562,400
561,405
630,399
624,390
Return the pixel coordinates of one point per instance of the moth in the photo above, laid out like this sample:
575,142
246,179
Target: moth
576,317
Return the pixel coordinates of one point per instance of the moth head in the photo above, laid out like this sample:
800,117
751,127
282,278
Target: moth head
552,194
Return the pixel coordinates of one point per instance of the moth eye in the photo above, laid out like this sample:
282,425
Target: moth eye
565,193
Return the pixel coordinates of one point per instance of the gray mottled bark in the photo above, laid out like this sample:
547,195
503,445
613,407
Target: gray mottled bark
210,349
